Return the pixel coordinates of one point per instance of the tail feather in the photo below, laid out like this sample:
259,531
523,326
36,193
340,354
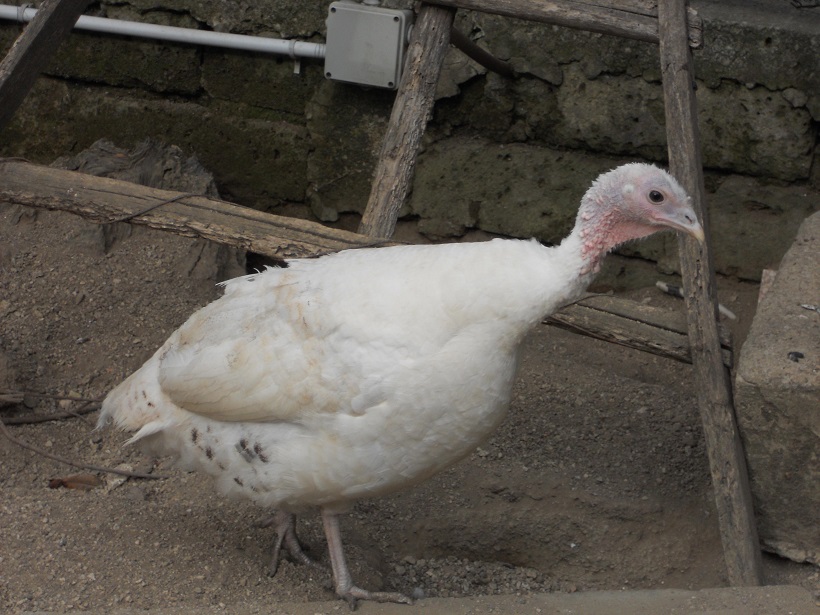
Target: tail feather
137,403
149,429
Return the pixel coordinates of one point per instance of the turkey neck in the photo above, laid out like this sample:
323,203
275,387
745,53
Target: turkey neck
597,231
559,275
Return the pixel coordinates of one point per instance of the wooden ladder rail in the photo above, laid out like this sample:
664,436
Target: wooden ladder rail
727,460
31,52
676,29
412,110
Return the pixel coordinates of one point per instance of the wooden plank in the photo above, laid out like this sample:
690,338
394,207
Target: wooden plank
31,52
636,19
105,200
634,325
411,112
713,385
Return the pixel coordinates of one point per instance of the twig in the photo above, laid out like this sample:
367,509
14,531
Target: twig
480,55
17,397
150,208
31,419
84,466
10,398
51,396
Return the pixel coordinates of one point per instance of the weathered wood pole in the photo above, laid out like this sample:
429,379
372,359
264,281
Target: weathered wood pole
635,19
31,52
411,112
714,391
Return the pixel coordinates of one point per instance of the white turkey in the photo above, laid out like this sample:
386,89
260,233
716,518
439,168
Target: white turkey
361,373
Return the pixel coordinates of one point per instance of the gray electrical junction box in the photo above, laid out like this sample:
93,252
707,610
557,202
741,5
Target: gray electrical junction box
366,44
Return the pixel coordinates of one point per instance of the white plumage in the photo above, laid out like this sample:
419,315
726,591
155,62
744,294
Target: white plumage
363,372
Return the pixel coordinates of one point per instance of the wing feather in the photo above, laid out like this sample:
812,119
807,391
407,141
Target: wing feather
323,335
249,357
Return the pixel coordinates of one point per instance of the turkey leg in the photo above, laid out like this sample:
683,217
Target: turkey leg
286,535
341,575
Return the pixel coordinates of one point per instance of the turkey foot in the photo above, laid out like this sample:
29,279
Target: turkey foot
341,575
286,536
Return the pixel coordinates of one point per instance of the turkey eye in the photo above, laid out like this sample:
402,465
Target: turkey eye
655,196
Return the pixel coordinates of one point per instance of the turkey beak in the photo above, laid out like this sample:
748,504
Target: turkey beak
683,219
694,229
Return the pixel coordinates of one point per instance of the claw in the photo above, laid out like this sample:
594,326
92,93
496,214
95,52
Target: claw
341,575
286,536
353,594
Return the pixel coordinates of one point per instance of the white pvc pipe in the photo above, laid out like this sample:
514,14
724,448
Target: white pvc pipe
294,49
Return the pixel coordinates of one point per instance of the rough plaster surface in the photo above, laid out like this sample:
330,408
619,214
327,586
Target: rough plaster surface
450,196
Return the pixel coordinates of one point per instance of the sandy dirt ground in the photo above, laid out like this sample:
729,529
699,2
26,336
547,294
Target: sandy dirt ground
598,479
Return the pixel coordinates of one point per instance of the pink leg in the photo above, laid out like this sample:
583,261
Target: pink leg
341,575
286,535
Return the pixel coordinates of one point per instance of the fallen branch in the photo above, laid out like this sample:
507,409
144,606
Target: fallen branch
75,464
21,393
10,398
31,419
105,200
13,396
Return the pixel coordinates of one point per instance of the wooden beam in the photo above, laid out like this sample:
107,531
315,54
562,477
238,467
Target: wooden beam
105,200
411,112
31,52
634,325
713,385
637,19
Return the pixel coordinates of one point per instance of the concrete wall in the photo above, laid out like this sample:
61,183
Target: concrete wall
509,156
776,401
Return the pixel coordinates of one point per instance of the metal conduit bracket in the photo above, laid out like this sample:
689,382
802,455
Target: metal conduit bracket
21,12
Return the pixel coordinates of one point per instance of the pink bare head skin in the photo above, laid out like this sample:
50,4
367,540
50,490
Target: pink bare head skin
630,202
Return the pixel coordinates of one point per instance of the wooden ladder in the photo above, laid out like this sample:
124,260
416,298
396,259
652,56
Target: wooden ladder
666,22
670,26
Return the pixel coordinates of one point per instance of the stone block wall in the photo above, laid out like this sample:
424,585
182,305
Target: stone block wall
508,156
777,404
